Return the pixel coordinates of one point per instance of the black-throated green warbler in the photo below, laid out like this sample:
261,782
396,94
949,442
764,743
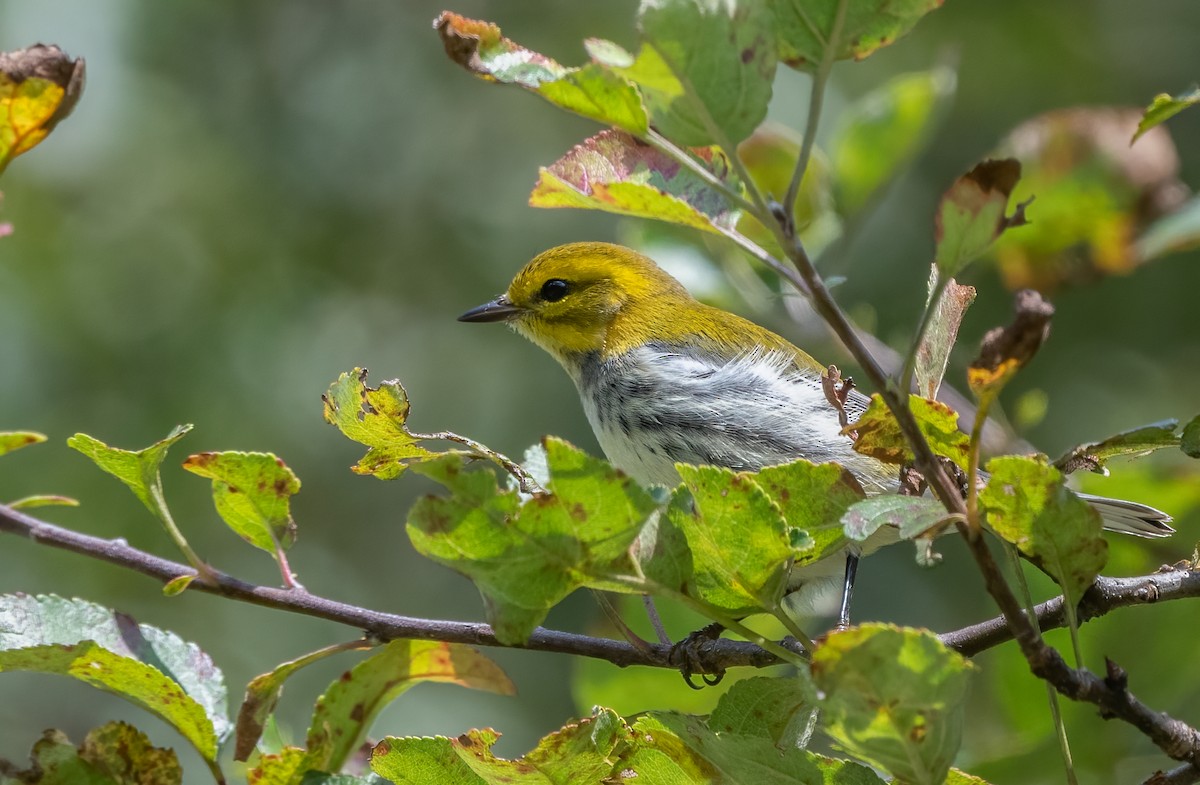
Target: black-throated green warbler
665,379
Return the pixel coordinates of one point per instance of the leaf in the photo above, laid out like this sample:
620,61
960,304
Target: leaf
1006,350
705,69
1164,107
804,28
879,434
252,493
971,214
15,440
1137,442
883,131
43,500
1189,440
581,752
957,777
776,709
1175,232
376,417
912,515
934,352
812,498
137,469
1028,505
39,86
112,652
526,555
894,697
344,714
112,754
594,91
616,173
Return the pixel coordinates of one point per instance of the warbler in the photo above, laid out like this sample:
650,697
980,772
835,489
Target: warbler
666,379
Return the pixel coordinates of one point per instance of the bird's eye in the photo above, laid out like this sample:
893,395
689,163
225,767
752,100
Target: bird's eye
554,290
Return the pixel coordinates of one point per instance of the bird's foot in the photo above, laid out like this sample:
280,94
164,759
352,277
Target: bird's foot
691,656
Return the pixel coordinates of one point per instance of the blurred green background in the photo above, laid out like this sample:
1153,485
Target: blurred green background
253,197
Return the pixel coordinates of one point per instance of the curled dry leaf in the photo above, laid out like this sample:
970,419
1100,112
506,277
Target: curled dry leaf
1007,349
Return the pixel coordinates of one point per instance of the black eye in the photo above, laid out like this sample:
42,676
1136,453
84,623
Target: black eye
554,290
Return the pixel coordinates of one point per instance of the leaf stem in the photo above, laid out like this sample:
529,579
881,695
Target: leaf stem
204,572
684,158
480,450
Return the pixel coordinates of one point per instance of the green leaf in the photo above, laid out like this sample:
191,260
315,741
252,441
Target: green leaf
1137,442
177,585
971,214
44,500
113,754
1189,440
1164,107
1028,505
912,515
112,652
616,173
15,440
1175,232
525,556
705,69
39,86
137,469
594,91
775,709
813,498
252,493
957,777
286,767
893,697
934,352
804,27
376,417
581,752
345,712
879,434
884,130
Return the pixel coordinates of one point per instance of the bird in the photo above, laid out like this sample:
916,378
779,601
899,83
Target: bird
666,379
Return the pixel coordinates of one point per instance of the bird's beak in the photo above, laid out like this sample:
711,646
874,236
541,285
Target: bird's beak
498,310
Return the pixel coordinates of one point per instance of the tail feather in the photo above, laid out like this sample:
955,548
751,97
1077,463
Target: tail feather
1125,517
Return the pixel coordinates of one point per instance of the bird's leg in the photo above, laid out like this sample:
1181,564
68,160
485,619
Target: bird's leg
847,590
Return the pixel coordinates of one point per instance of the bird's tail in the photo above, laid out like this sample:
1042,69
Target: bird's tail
1130,517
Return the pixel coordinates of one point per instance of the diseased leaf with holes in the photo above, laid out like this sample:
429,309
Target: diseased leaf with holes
804,27
15,440
594,91
616,173
879,434
376,417
252,492
344,714
154,669
883,131
1135,442
812,498
39,86
912,515
582,751
112,754
137,469
1175,232
778,709
934,352
1028,505
705,69
526,556
971,214
1164,107
894,697
728,544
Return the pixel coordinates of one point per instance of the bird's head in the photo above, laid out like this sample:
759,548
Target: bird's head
567,299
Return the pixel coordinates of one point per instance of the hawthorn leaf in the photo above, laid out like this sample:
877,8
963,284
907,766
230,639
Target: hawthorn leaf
1189,440
378,418
149,667
614,172
344,714
971,214
525,554
883,131
1175,232
912,515
957,777
778,709
137,469
879,434
39,86
594,91
1028,505
894,697
43,500
1135,442
934,352
1164,107
1006,350
252,492
15,440
812,498
804,28
113,754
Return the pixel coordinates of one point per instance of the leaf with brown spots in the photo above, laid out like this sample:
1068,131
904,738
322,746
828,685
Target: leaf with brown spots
39,86
879,434
113,754
971,215
15,440
1005,350
804,28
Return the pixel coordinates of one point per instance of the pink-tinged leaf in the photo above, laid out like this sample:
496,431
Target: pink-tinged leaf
614,172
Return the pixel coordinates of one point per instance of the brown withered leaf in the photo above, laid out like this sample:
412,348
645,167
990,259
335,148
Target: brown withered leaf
1005,350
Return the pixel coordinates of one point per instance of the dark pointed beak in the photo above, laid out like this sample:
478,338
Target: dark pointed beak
498,310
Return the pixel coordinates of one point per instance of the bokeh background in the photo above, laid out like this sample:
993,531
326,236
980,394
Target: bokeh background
254,197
